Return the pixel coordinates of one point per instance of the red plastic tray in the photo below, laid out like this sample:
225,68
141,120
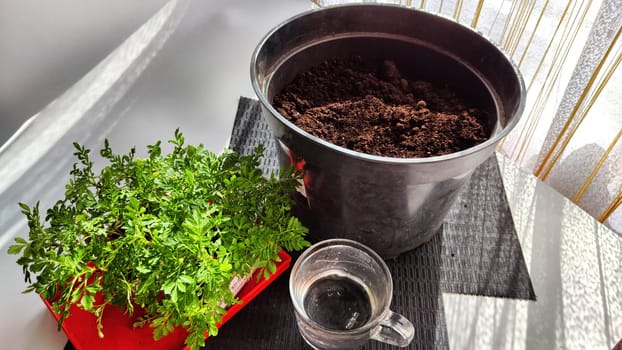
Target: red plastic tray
119,333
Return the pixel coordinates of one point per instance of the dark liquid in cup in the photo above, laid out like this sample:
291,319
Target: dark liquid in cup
337,303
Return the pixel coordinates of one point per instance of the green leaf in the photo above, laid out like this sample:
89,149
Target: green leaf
142,269
25,208
272,267
15,249
168,287
87,301
226,267
174,295
187,279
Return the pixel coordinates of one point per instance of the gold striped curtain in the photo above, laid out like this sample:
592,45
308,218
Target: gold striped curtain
569,52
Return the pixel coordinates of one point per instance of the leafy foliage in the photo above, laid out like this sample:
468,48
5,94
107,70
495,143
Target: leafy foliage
167,233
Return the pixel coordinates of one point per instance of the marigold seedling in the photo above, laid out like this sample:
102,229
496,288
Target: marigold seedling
167,233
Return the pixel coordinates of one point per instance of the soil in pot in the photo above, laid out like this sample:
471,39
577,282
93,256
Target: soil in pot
370,107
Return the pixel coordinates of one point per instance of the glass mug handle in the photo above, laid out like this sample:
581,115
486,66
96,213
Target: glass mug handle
394,329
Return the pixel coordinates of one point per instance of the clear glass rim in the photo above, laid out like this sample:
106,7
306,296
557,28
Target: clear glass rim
336,242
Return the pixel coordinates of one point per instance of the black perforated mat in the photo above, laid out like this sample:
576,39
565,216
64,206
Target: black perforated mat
477,252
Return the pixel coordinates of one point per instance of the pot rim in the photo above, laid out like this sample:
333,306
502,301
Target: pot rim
490,142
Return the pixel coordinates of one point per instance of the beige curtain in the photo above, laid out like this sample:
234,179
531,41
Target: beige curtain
569,53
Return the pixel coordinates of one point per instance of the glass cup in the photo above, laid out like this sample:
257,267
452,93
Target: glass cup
341,291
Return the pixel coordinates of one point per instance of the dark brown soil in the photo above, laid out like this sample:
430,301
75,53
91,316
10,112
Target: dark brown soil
373,109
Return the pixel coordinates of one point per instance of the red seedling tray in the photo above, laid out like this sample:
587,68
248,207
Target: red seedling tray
80,326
